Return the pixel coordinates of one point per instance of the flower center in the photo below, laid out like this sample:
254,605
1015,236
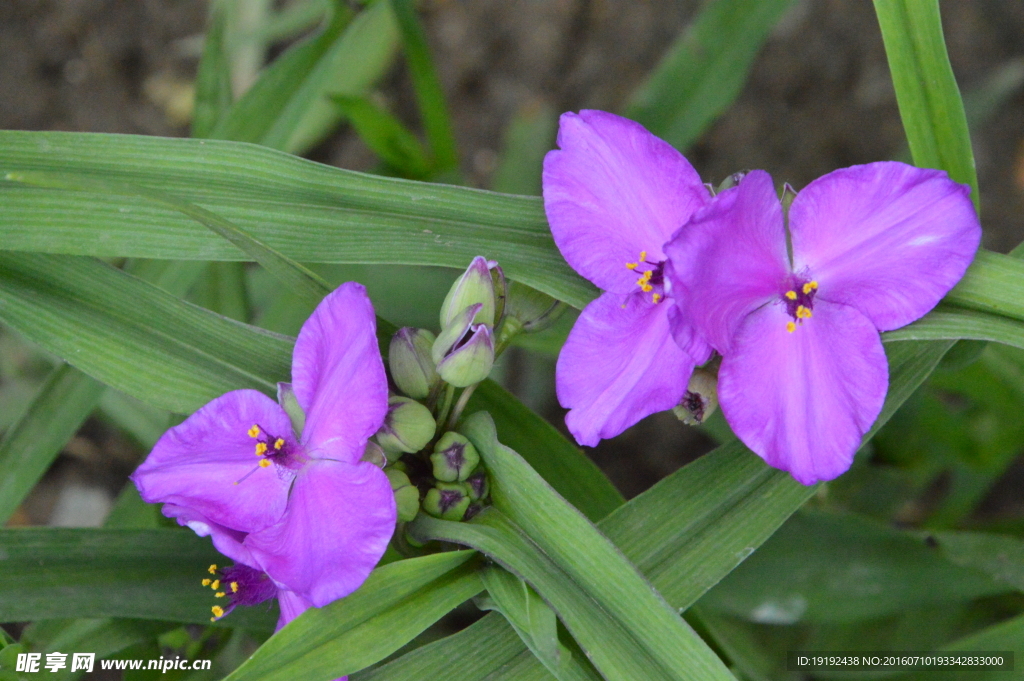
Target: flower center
270,448
799,300
241,585
652,277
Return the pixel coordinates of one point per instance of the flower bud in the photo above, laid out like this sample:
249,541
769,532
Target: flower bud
530,310
447,500
471,361
286,398
374,454
700,400
473,287
407,497
478,485
454,457
411,365
407,427
453,334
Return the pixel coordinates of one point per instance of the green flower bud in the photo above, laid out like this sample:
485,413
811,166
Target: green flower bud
473,287
407,427
453,334
411,365
374,454
286,398
479,487
530,309
471,361
407,497
700,400
454,457
447,500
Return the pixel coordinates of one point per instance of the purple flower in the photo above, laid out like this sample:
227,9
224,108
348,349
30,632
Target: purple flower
872,248
614,194
304,510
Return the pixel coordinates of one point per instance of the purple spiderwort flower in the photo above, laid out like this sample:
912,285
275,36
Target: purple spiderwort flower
614,194
873,248
305,510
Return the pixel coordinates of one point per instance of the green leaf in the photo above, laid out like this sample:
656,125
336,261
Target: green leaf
822,567
36,438
1000,557
386,136
705,69
948,322
144,574
929,100
1005,636
306,211
527,139
991,284
627,629
213,79
288,108
429,95
395,604
175,356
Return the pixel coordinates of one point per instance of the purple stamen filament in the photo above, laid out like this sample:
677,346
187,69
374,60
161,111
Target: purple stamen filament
651,280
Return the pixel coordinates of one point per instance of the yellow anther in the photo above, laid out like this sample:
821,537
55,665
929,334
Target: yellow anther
219,594
656,297
791,295
790,326
646,288
234,587
206,582
810,286
643,256
218,612
254,431
212,569
261,448
632,265
264,463
278,443
215,585
803,312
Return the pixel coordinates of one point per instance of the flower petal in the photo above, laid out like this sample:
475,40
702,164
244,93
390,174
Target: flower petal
803,400
613,190
291,605
730,259
339,520
200,464
619,365
886,238
338,375
225,540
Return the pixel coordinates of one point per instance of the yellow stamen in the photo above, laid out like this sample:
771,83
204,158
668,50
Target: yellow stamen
254,431
632,265
234,587
656,297
264,463
791,295
215,585
643,256
810,286
790,326
278,443
219,594
803,312
212,569
218,612
261,448
206,582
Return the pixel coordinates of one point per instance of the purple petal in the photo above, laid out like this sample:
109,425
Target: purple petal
614,190
730,259
291,605
225,540
338,375
803,400
619,365
339,520
200,464
886,238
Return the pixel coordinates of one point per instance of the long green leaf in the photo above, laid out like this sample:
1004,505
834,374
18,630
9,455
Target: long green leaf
213,79
929,100
704,70
36,438
948,322
992,284
395,604
134,336
146,574
1000,557
641,636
